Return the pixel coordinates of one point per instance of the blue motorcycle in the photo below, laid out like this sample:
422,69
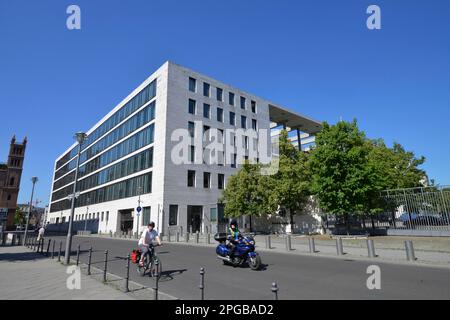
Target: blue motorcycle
243,253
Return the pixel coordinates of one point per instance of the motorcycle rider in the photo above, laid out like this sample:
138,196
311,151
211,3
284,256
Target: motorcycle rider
233,237
148,235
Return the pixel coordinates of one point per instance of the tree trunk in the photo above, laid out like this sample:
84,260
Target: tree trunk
291,216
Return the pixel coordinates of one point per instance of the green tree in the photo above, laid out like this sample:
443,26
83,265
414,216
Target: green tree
19,217
290,186
340,176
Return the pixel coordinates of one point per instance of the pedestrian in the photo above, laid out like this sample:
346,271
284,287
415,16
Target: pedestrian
41,234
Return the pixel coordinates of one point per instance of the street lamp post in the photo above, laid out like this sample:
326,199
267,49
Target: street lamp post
33,180
80,137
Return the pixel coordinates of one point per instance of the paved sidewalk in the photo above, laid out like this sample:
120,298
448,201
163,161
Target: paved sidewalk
27,275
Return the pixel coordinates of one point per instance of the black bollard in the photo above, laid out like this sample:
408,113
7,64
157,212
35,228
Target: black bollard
48,246
89,261
78,255
59,252
156,280
275,290
42,246
127,289
202,284
53,249
106,266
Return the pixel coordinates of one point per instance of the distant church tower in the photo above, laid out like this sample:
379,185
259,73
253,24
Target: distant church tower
10,175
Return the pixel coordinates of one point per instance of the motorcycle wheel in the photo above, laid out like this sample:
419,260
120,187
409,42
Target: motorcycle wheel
255,262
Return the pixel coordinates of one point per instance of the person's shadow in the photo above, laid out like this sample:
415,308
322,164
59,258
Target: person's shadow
167,275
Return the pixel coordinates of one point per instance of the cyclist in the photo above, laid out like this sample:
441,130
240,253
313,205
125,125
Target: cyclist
148,235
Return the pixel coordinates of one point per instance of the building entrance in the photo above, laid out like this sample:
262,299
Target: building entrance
194,218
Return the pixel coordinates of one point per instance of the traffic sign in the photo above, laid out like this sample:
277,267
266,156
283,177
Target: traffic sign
139,209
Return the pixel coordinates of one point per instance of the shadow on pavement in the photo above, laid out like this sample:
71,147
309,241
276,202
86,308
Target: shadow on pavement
21,256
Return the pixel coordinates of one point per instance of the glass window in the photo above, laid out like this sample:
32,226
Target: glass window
206,110
254,124
220,114
213,214
243,122
232,118
192,154
103,216
220,181
206,132
206,89
191,128
219,95
173,215
253,103
243,103
146,212
231,98
206,180
192,84
191,178
191,106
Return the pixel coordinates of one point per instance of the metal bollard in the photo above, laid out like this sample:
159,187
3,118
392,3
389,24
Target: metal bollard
89,261
59,252
53,249
106,265
202,283
48,246
186,237
128,274
42,246
339,247
155,288
13,240
312,245
78,255
177,237
288,243
197,237
275,290
208,238
410,256
370,248
168,236
268,242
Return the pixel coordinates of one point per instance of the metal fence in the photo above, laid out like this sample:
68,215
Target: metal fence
425,208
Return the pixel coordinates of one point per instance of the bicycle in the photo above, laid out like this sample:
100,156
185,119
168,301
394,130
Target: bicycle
149,263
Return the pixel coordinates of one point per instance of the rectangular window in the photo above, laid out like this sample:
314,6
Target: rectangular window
146,211
243,103
192,154
233,161
191,128
173,215
243,122
253,103
206,180
219,94
232,118
206,133
103,216
231,98
254,124
192,84
206,110
192,106
220,181
191,178
220,114
213,214
107,216
206,89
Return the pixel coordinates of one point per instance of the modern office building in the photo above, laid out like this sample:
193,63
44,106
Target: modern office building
131,157
10,176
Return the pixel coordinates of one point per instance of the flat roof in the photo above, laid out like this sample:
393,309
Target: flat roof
293,119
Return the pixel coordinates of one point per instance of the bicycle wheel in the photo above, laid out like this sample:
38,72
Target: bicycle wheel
155,268
142,269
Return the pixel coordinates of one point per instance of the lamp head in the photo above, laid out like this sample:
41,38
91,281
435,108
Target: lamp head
80,137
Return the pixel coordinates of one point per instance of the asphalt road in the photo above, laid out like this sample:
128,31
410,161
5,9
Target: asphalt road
298,277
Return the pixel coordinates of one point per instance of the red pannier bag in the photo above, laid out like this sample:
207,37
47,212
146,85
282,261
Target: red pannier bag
135,256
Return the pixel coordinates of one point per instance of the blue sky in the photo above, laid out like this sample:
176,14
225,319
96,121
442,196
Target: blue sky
316,57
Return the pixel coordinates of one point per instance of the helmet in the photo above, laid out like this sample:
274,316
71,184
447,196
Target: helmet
151,224
233,222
